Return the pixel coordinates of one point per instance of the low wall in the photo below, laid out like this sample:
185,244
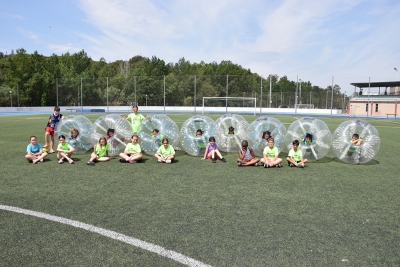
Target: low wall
157,109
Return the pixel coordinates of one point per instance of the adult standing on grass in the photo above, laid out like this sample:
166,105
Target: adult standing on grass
165,153
135,119
50,128
34,151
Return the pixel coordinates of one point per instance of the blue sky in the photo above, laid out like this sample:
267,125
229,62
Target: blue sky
351,40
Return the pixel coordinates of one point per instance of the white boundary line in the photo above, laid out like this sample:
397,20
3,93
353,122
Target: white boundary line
114,235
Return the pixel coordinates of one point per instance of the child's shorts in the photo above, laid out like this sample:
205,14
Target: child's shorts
50,131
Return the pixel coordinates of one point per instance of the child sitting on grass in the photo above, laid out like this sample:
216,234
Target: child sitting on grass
34,151
212,151
246,155
270,155
64,151
295,157
100,152
133,152
165,153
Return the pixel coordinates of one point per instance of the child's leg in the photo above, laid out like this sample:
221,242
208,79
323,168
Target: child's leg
93,157
277,161
30,157
103,159
263,161
136,157
251,162
290,161
46,138
42,156
125,156
218,153
51,143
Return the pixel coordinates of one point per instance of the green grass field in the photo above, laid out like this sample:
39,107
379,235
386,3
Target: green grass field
327,214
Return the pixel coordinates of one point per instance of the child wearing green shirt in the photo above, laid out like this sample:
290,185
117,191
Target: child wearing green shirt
295,157
270,155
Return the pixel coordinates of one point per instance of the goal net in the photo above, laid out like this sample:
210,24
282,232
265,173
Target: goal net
304,106
214,104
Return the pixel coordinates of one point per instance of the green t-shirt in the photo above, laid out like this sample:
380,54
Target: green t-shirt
66,146
296,155
165,152
158,138
271,152
201,141
102,150
136,121
133,148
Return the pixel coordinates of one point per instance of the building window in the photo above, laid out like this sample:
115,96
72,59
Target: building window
376,107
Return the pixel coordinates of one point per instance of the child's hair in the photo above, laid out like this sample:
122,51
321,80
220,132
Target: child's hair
135,105
135,135
211,139
61,137
245,143
103,138
309,136
296,142
110,131
266,132
231,129
271,139
32,136
199,131
75,130
156,130
356,136
165,139
56,108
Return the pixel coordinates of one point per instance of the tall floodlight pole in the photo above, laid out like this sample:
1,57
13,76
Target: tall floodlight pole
295,96
11,97
332,96
260,94
226,104
300,91
397,79
270,91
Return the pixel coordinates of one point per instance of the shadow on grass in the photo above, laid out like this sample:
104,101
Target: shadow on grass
371,162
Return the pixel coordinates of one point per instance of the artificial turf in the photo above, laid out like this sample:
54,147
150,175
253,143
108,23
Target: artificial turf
327,214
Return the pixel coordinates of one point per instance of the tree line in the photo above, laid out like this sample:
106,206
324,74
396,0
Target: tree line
74,79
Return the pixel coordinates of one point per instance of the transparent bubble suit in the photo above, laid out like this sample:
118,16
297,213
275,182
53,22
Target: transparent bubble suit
260,125
83,142
167,129
349,153
192,144
230,143
322,137
122,132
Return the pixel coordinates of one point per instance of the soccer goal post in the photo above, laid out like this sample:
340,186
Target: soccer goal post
239,101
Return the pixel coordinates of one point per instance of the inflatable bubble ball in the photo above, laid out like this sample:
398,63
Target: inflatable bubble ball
118,136
166,127
355,142
231,131
195,143
259,128
79,139
314,136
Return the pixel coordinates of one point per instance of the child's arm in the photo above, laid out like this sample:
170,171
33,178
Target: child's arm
241,154
70,148
252,153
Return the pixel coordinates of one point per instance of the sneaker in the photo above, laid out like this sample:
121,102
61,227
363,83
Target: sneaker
41,160
34,161
213,161
122,160
132,161
61,161
291,165
51,151
239,164
168,161
159,161
256,164
300,166
278,165
90,163
266,166
71,161
223,160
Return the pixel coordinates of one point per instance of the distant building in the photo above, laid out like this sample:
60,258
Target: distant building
383,103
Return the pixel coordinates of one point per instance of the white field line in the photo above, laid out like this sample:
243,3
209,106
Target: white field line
111,234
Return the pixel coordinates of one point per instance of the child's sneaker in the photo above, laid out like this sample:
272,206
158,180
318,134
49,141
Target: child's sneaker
90,163
61,161
223,160
291,165
266,166
256,164
213,160
132,161
122,160
300,166
239,164
168,161
71,161
159,161
34,161
41,160
278,165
